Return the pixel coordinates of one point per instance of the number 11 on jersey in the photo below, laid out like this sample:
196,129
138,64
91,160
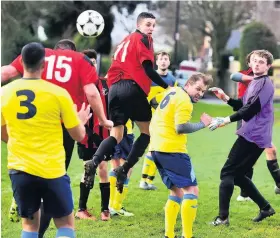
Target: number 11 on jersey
124,46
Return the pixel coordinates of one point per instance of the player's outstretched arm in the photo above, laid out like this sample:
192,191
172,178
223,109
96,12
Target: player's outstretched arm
242,78
153,75
96,104
8,72
189,127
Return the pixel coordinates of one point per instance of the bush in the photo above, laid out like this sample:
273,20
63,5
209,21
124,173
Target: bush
257,36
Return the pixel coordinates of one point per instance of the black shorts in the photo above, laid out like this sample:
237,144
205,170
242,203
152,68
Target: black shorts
28,190
85,153
128,101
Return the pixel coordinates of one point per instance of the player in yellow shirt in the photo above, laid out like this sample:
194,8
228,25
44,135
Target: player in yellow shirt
149,167
32,111
169,126
122,150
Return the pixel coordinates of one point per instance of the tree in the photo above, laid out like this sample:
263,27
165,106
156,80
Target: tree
257,36
224,17
20,21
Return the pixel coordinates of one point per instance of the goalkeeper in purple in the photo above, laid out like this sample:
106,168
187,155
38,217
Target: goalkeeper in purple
255,110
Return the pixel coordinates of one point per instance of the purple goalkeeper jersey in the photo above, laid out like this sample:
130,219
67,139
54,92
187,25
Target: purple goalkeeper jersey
259,128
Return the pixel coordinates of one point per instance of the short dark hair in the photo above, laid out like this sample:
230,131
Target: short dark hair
65,44
248,57
144,15
91,53
162,53
33,56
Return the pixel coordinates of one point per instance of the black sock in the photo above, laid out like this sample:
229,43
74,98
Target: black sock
84,193
273,167
104,150
105,195
249,175
44,222
225,193
137,151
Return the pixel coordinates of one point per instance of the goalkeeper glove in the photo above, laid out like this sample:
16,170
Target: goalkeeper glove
219,122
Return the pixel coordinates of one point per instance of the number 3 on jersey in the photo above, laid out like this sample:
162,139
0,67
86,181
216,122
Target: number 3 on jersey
32,110
123,46
56,69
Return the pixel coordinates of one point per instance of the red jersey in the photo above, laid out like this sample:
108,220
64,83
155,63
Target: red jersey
93,126
68,69
128,59
242,87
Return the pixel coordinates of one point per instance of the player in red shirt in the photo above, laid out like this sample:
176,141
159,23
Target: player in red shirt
74,72
244,77
129,80
87,148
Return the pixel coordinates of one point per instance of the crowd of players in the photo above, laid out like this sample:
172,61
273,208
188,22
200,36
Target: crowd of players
53,80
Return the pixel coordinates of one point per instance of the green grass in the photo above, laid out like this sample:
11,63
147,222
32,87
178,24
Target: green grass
208,151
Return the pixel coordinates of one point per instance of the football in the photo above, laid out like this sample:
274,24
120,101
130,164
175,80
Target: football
90,23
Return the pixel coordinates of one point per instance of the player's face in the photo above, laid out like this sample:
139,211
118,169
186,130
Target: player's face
260,66
147,26
196,90
163,62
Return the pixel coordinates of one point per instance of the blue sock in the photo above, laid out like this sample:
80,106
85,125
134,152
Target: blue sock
65,232
28,234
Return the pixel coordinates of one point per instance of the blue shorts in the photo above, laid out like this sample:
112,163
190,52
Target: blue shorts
175,169
124,147
28,190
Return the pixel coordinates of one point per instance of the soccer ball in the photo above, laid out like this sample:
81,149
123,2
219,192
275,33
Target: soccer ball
90,23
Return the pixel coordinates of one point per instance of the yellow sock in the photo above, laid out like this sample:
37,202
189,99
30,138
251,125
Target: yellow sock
152,172
188,214
145,168
172,208
119,197
113,181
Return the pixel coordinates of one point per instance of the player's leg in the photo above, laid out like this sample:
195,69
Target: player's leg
148,173
68,144
273,166
58,202
104,186
27,194
171,210
84,154
189,210
115,162
139,111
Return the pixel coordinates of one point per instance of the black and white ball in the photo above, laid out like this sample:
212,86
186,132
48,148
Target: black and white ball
90,23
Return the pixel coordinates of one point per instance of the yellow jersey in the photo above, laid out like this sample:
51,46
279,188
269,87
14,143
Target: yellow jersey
175,108
32,110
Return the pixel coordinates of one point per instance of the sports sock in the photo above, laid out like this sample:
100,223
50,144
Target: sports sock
145,168
105,149
188,214
152,170
137,151
113,181
172,208
65,233
274,170
28,234
105,195
84,193
125,188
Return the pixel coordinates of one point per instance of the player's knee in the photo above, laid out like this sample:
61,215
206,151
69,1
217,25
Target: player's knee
191,190
227,181
117,132
102,172
174,191
271,153
144,127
